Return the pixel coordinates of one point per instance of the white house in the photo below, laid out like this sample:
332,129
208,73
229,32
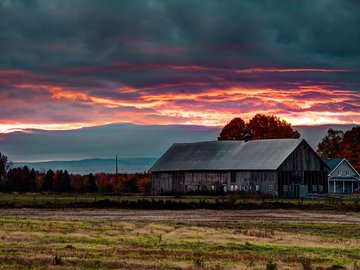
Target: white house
343,178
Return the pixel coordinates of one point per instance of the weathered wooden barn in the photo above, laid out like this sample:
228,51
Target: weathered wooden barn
278,167
343,177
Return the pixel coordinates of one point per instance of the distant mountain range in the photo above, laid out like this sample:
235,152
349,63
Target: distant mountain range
137,146
95,165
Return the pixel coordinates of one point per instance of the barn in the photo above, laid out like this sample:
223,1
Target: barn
286,168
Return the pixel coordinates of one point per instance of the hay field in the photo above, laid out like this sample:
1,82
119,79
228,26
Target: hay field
157,239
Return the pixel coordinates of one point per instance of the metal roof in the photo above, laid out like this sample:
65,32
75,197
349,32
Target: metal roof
344,178
332,162
226,155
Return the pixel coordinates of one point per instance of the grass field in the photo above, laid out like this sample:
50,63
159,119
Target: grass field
154,239
234,201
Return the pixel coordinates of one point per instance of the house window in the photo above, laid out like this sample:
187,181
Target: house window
270,188
314,188
291,187
212,187
321,188
236,187
231,187
285,188
339,172
257,187
245,188
347,172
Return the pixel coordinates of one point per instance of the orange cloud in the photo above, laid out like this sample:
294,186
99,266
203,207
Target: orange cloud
199,103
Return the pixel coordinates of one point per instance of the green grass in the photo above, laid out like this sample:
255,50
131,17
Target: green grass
35,242
44,200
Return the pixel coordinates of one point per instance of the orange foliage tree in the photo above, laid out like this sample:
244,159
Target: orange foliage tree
144,184
261,126
339,144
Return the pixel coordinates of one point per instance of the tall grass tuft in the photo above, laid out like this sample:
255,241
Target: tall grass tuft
271,266
58,260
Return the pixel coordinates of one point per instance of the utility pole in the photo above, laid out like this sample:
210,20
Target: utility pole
116,166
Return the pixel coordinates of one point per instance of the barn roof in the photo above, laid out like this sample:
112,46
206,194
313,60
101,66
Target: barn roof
226,155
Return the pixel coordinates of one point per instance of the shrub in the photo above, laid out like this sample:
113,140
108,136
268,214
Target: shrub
306,263
271,266
198,259
58,260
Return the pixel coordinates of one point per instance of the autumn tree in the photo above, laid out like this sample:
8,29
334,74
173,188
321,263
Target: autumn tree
350,147
39,181
92,184
331,144
339,144
144,184
261,126
234,130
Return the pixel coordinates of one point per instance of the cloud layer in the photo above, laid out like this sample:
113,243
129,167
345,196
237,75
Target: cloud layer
66,64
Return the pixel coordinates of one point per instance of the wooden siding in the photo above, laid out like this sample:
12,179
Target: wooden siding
230,181
342,170
303,158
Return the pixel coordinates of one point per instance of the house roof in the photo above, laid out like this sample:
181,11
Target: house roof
332,162
345,178
226,155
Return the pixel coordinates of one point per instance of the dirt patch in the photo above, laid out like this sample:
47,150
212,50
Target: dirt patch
188,216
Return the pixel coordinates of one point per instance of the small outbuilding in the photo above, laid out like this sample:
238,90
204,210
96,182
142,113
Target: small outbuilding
287,168
343,177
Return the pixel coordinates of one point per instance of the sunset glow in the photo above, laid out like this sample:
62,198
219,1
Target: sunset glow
205,69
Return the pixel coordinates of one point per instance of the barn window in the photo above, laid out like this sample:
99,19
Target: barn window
285,188
270,188
233,177
314,188
321,188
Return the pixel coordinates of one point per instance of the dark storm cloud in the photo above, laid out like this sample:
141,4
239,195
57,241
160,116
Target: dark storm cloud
43,34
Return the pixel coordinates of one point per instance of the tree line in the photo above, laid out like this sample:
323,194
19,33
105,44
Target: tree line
261,126
23,179
342,144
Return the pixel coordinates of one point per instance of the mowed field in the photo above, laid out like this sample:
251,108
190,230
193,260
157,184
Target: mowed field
191,239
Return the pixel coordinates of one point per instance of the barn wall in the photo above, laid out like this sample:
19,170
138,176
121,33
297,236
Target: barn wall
303,168
231,181
205,181
162,183
303,158
254,181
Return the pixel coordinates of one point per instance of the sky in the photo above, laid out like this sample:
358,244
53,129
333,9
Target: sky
71,64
